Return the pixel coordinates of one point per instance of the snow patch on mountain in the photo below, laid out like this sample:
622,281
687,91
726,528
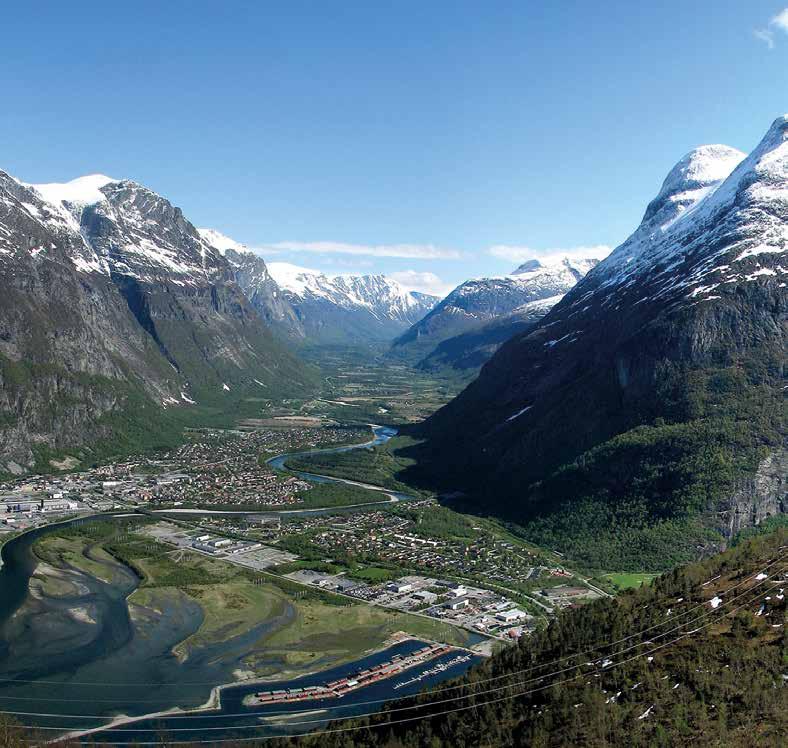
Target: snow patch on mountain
383,297
714,196
221,241
80,191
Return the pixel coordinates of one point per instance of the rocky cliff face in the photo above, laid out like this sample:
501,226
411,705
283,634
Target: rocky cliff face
758,496
114,310
252,275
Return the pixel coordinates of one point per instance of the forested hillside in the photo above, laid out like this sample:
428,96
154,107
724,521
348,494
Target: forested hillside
696,658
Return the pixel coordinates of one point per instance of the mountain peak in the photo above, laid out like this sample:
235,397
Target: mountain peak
346,307
692,178
558,265
528,267
80,191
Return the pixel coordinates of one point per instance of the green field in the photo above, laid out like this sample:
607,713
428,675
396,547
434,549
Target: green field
628,580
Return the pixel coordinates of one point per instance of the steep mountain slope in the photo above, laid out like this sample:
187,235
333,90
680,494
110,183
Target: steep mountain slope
651,395
72,355
252,275
349,309
695,658
115,310
476,302
469,351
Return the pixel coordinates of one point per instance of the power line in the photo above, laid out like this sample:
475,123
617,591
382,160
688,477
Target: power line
433,703
400,721
378,701
241,683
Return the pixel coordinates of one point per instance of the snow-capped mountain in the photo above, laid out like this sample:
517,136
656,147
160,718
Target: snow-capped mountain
305,305
128,230
111,297
477,302
349,308
679,328
469,351
252,275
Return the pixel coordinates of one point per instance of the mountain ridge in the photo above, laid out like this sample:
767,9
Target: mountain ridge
349,308
456,334
643,351
114,312
316,308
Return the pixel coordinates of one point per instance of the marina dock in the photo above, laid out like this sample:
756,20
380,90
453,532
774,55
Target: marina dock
336,689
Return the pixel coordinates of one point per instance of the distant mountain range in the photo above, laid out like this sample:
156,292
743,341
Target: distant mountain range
643,417
313,307
471,323
349,308
116,313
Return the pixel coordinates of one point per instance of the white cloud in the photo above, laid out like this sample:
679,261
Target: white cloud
768,35
521,254
765,36
407,251
781,20
425,282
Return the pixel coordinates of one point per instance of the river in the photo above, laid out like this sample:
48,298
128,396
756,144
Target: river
85,650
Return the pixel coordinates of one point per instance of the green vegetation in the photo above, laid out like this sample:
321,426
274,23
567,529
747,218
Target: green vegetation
628,580
125,419
365,385
321,495
644,499
323,566
336,495
341,635
379,465
441,522
71,551
373,574
700,677
309,624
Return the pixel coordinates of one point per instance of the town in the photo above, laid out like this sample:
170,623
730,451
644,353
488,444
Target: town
217,496
213,469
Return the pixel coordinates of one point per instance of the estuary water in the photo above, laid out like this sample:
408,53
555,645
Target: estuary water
76,653
234,720
88,651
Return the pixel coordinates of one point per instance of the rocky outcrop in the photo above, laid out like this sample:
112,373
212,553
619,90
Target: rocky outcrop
252,275
757,497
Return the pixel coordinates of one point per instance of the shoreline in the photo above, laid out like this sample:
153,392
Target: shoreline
214,701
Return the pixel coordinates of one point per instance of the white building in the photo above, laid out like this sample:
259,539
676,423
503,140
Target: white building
509,616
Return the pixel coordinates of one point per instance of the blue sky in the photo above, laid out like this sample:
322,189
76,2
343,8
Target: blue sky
408,139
